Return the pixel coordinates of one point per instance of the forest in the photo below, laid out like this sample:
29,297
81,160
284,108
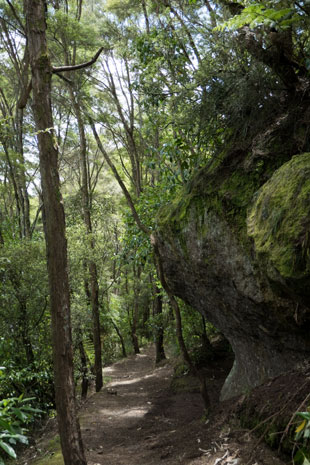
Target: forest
155,192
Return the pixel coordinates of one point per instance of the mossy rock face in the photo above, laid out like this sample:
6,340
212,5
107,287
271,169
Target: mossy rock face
279,223
234,246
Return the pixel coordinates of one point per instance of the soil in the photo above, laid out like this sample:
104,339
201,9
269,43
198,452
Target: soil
138,419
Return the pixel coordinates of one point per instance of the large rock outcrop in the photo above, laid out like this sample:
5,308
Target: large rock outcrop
236,246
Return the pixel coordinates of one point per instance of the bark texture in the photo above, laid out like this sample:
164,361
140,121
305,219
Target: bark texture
41,69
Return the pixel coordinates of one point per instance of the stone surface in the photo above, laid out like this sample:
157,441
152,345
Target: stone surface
210,261
279,223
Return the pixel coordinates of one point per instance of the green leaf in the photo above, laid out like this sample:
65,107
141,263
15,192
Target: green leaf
275,15
22,416
21,438
305,415
8,449
4,424
31,409
27,399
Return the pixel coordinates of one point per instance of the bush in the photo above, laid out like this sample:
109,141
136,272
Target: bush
15,413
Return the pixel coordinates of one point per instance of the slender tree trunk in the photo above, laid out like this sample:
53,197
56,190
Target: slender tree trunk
185,355
84,368
21,177
69,429
146,18
207,347
23,322
134,337
15,143
86,202
160,272
211,13
179,331
24,330
159,330
135,316
94,292
120,338
12,174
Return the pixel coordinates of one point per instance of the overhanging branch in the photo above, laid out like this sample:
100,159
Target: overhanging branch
61,69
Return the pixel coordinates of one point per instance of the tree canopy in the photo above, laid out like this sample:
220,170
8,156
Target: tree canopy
108,108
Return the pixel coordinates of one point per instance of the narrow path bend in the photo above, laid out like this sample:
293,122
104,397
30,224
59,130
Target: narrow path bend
137,420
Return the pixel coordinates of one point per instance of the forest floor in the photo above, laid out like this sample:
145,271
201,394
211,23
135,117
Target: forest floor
138,419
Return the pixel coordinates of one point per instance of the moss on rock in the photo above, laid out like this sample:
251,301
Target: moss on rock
246,270
278,222
225,193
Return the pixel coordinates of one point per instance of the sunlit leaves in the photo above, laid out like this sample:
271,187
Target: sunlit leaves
272,14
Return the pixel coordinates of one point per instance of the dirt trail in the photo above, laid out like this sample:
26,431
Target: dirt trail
138,420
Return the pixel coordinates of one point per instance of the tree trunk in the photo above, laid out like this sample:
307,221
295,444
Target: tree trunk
120,338
159,330
84,368
134,337
184,352
178,320
94,287
173,301
69,429
24,331
135,315
206,344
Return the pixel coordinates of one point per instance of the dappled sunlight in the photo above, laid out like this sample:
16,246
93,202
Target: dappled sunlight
127,381
135,412
109,370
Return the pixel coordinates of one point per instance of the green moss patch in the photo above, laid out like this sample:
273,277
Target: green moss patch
224,192
279,223
53,455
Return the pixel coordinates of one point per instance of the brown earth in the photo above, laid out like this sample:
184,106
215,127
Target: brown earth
138,419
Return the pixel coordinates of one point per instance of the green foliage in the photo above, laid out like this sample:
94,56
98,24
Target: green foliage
25,348
15,414
302,438
184,96
271,14
33,380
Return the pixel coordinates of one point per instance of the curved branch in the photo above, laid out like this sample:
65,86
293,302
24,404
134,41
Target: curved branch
16,15
130,203
61,69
